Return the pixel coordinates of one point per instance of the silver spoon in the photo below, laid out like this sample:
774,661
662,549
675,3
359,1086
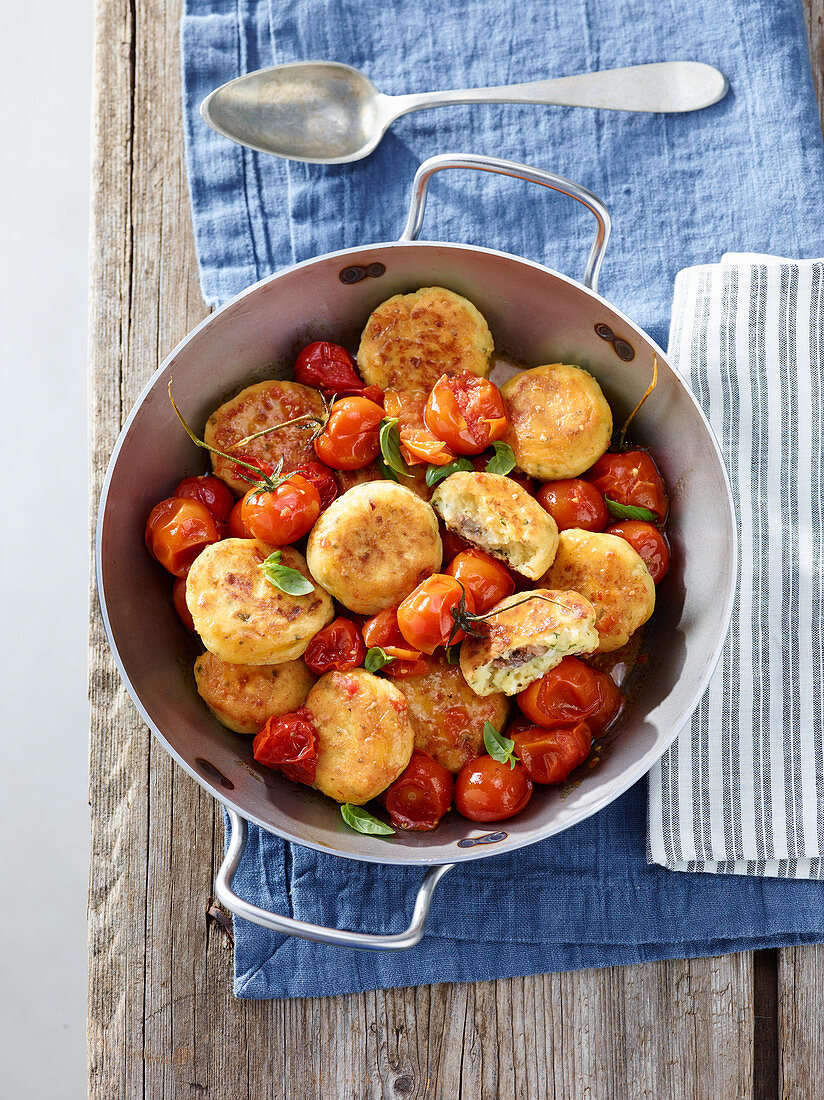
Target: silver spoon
323,112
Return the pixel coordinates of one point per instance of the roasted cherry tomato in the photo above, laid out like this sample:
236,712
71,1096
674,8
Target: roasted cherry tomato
570,692
350,439
466,412
549,755
574,502
329,368
631,477
453,544
323,479
283,515
486,790
180,605
650,544
382,631
338,646
418,444
177,530
237,528
484,578
425,616
421,794
289,744
211,491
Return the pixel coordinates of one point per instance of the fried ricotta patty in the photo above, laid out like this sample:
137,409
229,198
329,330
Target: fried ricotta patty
365,736
498,515
241,616
242,697
447,716
373,545
612,576
410,340
257,407
527,637
559,420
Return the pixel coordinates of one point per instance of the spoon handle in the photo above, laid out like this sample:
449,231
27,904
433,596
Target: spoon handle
663,86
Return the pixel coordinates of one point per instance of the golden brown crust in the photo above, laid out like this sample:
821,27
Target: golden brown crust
609,572
240,616
410,340
242,697
447,716
559,420
373,545
257,407
365,736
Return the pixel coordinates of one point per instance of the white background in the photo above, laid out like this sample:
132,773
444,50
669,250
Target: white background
45,82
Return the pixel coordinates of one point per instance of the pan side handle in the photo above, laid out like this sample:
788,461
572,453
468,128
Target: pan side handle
287,926
420,186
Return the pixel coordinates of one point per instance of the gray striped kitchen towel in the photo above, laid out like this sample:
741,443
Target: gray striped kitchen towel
741,791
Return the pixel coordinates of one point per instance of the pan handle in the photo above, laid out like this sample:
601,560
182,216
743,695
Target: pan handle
287,926
517,171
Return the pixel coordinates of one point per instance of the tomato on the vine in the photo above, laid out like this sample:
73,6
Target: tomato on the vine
549,755
487,580
283,514
329,368
382,632
425,616
573,502
571,692
237,528
323,479
177,530
209,490
338,646
488,790
421,794
289,744
649,543
465,411
631,478
350,440
180,605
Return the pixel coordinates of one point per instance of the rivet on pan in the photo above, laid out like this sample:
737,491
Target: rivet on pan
374,271
488,838
213,773
624,350
352,274
604,331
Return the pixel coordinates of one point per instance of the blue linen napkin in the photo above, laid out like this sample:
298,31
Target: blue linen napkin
745,174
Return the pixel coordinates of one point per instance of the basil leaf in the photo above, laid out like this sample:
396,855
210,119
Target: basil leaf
630,511
390,441
503,461
286,579
386,472
453,653
376,658
434,474
363,822
499,747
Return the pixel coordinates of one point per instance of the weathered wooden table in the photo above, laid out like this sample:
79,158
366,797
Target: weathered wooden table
162,1019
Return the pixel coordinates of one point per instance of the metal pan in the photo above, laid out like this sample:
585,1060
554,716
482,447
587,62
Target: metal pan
537,316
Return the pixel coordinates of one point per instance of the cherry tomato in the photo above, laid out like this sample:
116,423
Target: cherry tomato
486,790
177,530
329,368
425,616
350,439
570,692
289,744
421,794
650,544
466,412
180,605
631,477
418,444
323,479
574,502
211,491
549,755
382,631
453,544
338,646
237,528
283,515
486,579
